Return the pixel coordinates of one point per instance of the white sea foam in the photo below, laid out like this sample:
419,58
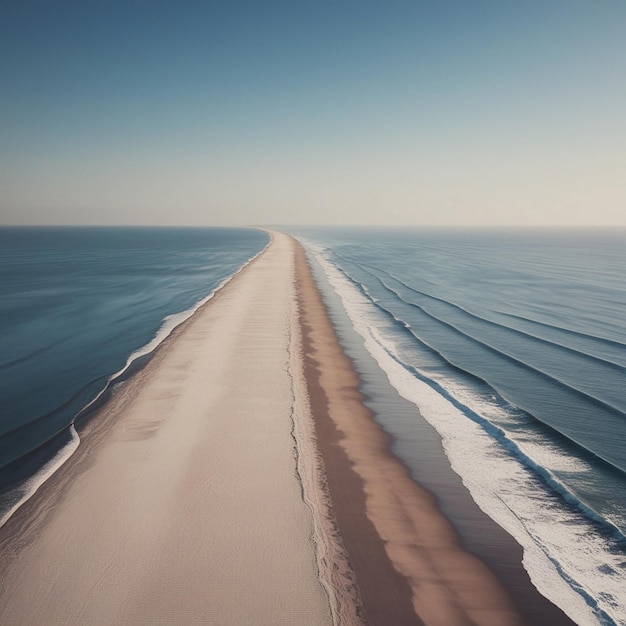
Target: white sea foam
25,491
169,324
567,559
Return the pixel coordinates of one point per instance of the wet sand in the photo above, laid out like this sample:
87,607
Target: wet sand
409,563
413,440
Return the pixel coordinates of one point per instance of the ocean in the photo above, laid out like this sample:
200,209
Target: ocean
81,309
512,345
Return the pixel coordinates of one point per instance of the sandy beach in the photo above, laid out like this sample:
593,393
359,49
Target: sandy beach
239,479
184,504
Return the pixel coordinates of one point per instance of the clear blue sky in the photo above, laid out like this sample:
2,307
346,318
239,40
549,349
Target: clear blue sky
339,111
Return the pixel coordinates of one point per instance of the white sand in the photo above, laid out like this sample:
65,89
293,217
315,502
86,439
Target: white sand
190,510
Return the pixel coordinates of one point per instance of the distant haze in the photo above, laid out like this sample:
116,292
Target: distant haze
450,113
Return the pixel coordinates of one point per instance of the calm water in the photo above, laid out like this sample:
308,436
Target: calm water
513,346
80,307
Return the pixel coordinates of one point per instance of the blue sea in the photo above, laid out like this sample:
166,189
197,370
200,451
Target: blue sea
80,310
513,346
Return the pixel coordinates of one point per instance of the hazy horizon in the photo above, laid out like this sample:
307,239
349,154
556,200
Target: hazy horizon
346,113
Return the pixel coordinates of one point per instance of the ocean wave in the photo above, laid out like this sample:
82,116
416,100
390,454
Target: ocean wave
499,352
615,368
542,340
575,445
564,548
576,333
12,499
603,409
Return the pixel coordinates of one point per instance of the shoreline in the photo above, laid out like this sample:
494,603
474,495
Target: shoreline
166,513
387,521
418,446
27,483
362,542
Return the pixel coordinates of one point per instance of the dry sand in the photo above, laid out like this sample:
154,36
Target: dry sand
188,509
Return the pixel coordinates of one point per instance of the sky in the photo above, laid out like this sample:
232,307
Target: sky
424,113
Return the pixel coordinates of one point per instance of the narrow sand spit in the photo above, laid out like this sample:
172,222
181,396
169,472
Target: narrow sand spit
239,479
184,504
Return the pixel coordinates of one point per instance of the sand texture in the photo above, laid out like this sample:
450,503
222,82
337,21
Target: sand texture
189,508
